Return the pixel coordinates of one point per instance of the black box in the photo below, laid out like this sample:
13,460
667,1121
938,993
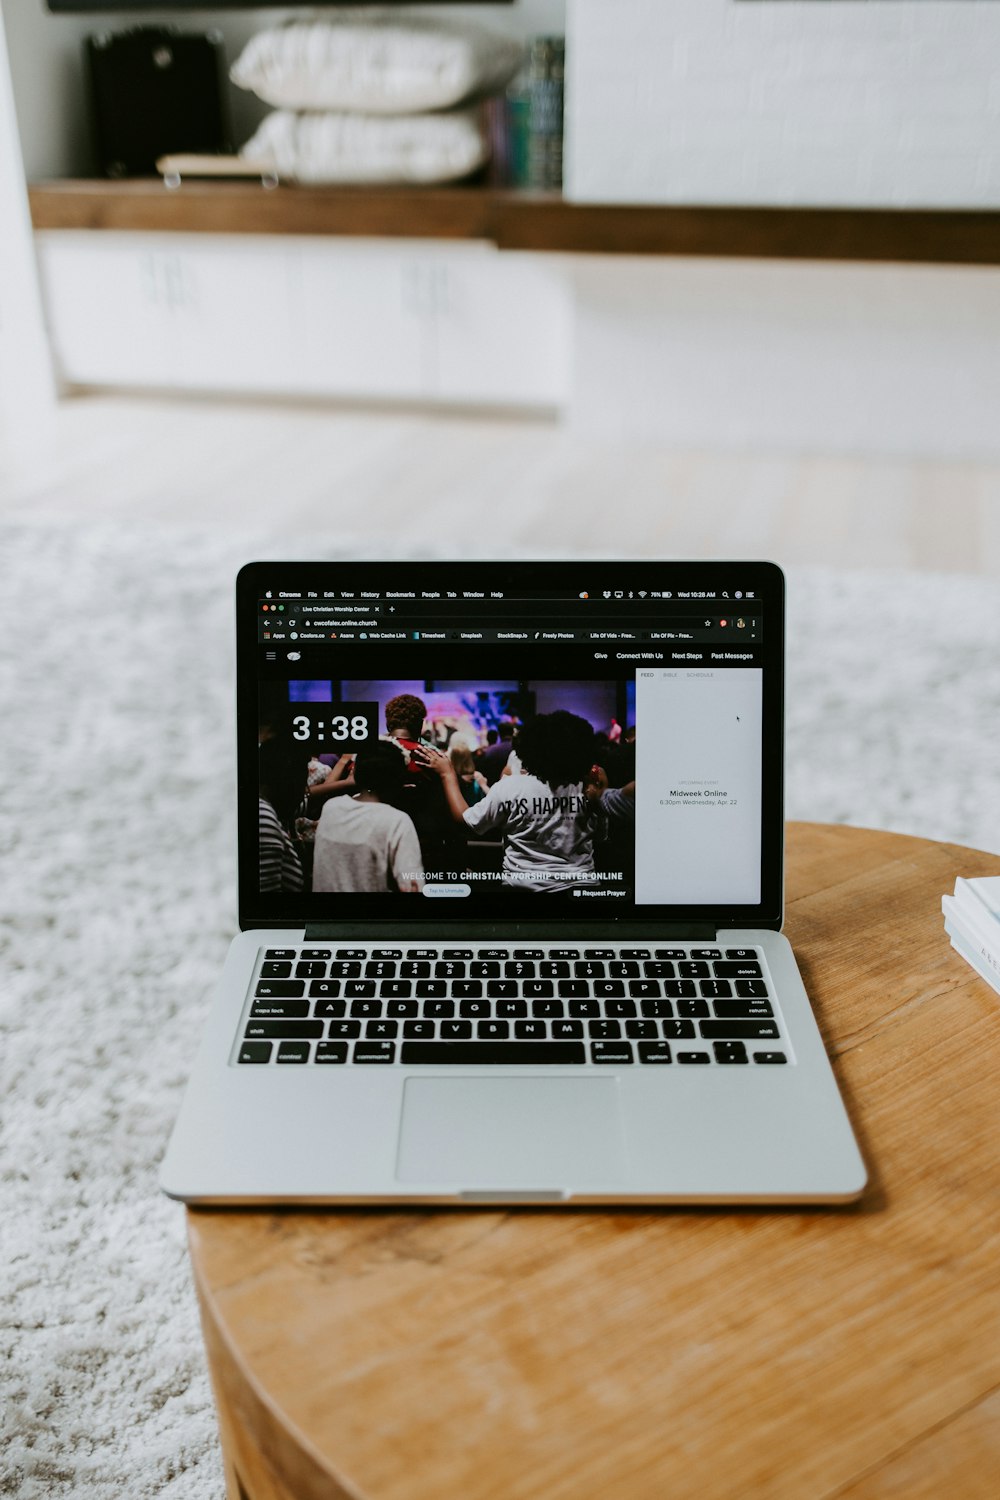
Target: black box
156,90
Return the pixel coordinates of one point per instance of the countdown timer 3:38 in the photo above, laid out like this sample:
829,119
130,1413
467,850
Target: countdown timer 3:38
351,724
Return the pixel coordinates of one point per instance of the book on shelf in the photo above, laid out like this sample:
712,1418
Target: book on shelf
972,921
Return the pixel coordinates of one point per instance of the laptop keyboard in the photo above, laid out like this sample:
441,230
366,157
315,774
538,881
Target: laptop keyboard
371,1006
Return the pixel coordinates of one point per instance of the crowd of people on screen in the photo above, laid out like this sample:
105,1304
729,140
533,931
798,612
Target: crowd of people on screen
555,797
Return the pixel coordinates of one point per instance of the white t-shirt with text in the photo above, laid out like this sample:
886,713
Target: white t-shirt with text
548,832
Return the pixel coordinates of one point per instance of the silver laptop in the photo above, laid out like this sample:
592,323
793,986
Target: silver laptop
510,892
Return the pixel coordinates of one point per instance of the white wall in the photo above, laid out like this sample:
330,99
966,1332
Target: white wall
26,385
50,87
869,102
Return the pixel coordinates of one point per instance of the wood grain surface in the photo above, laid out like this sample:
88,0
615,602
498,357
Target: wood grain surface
521,220
561,1355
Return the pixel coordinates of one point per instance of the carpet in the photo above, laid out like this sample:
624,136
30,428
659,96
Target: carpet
116,819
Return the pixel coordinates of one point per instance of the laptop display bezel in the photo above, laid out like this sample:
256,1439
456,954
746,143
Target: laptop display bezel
259,909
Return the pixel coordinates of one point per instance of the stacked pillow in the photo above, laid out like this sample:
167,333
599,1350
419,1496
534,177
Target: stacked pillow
371,98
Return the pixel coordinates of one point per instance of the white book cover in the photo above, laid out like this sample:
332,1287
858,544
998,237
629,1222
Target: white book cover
972,957
978,937
980,896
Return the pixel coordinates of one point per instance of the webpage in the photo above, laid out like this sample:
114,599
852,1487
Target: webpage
469,749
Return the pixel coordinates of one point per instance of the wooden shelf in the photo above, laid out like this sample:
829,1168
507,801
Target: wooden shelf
522,221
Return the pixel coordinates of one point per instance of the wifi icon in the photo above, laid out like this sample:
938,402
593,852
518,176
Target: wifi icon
642,593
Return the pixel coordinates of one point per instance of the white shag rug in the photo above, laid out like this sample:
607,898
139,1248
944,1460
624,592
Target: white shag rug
117,826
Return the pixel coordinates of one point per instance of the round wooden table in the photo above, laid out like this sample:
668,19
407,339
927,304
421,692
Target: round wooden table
566,1354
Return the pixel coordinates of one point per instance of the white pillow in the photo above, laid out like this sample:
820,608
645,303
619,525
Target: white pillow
375,62
346,148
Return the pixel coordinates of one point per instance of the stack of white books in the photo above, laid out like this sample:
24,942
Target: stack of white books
972,921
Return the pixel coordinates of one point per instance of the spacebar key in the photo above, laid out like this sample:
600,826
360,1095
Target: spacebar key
480,1054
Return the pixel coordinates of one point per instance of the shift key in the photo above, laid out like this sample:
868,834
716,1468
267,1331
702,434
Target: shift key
739,1030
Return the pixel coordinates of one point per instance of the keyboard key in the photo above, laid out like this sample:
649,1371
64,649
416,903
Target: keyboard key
730,1052
751,989
564,953
375,1052
741,952
519,969
467,989
769,1057
654,1052
745,970
279,989
255,1052
573,989
351,953
604,1030
636,1029
716,989
610,1052
421,953
396,989
286,1010
587,1010
329,1008
635,953
293,1052
331,1052
456,953
567,1030
439,1009
456,1031
417,1029
585,969
537,989
344,970
549,1009
293,1030
677,989
414,970
608,987
692,1009
473,1009
500,953
529,1031
401,1008
382,1029
619,1008
693,969
554,969
380,970
657,1009
511,1009
325,987
367,1009
348,1029
599,953
529,953
505,989
471,1054
323,955
670,953
275,970
677,1030
487,970
693,1057
493,1031
706,952
748,1008
359,989
449,969
431,988
281,953
658,970
743,1030
308,970
645,989
387,953
624,969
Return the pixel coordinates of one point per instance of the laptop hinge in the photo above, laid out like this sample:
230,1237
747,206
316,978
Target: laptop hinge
512,931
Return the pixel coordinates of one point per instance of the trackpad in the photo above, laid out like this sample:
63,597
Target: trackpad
482,1133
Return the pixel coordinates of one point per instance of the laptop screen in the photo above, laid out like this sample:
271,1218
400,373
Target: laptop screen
434,742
